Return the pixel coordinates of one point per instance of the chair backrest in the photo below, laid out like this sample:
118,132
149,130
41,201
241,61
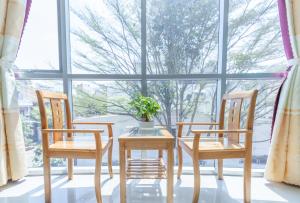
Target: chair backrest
56,103
235,101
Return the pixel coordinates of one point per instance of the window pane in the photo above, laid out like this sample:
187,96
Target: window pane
263,118
181,100
31,118
105,36
104,101
39,44
254,38
182,36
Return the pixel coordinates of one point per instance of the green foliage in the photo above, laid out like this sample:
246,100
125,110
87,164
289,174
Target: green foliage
89,105
145,108
28,125
38,159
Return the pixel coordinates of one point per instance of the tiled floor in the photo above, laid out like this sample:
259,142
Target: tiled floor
230,190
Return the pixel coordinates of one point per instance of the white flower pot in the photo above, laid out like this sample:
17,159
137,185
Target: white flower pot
143,124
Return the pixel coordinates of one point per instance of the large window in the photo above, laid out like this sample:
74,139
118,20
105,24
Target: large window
184,53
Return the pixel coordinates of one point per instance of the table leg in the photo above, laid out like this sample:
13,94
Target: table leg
170,174
128,154
160,153
122,173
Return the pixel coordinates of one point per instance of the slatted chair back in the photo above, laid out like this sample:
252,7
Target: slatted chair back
235,101
59,105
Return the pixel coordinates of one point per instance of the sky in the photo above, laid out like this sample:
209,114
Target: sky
39,45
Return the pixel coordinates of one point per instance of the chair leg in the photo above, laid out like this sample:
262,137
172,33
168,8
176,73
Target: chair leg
70,169
98,178
47,179
247,180
179,154
220,169
196,180
110,160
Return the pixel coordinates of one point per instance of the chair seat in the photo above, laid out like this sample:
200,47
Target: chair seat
72,146
211,147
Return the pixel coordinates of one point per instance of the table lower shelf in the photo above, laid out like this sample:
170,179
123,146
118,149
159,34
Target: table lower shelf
146,169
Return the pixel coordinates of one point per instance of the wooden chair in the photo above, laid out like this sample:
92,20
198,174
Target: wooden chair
68,148
217,148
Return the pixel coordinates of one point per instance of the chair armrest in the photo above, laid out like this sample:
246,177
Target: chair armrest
181,124
73,130
92,123
108,124
196,123
198,132
96,132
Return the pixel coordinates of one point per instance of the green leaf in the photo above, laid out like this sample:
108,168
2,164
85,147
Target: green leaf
144,108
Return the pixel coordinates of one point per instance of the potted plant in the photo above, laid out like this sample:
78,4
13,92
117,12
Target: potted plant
144,109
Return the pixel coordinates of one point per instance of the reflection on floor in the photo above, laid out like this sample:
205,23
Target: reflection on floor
230,190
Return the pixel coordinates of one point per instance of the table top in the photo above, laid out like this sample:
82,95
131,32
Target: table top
156,133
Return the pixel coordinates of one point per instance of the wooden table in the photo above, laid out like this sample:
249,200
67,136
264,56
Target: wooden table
146,168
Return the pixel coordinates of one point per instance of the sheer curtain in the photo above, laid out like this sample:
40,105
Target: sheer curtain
13,15
283,163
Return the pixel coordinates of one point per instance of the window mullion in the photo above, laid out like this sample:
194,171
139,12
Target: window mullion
64,46
222,57
143,47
